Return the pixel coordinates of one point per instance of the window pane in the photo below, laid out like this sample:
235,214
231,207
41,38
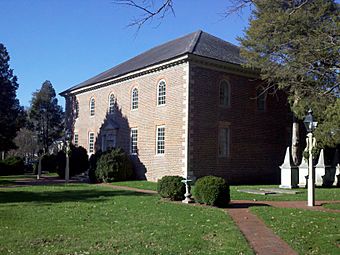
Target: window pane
133,141
223,142
75,139
76,108
92,106
224,93
161,93
112,104
91,142
160,140
134,104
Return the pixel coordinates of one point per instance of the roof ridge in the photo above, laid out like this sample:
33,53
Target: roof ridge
194,41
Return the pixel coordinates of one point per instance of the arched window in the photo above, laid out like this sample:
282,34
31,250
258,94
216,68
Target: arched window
224,93
92,106
112,102
134,99
161,92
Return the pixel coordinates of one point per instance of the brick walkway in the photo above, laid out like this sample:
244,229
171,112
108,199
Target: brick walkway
261,238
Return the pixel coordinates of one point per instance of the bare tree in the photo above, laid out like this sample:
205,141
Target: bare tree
149,10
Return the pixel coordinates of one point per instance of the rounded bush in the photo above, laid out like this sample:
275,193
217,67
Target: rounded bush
114,165
171,187
79,162
212,190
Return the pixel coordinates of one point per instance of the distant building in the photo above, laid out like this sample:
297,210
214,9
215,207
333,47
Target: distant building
186,107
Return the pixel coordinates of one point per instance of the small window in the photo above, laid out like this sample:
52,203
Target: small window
161,92
261,100
224,93
223,142
112,103
134,99
133,141
76,108
92,106
91,142
76,139
160,140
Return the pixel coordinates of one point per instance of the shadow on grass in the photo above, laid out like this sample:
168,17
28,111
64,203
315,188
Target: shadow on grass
63,196
245,205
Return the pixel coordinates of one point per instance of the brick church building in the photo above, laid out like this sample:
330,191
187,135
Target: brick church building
186,107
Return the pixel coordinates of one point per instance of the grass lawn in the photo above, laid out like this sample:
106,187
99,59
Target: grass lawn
10,179
89,219
335,206
308,232
138,184
320,193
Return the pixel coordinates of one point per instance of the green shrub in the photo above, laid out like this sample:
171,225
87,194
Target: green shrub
12,166
93,165
114,165
171,187
212,190
78,159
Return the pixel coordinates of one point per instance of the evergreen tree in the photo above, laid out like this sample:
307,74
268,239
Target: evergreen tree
295,44
46,115
11,114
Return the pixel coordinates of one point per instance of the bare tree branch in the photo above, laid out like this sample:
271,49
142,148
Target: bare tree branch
237,6
148,9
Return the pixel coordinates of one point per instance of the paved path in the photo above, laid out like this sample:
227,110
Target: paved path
261,238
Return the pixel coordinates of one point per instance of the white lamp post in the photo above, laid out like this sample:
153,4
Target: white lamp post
67,168
310,125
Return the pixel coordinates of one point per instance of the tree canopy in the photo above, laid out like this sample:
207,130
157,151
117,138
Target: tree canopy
46,115
296,44
11,114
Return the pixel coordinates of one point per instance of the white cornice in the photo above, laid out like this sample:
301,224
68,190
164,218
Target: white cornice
198,60
222,66
131,75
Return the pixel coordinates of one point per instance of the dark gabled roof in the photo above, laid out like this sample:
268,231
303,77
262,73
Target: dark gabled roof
197,43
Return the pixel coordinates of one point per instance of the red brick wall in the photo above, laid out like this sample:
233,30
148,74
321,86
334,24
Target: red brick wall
146,118
257,139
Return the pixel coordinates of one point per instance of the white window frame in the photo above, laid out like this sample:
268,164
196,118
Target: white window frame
76,139
160,143
112,102
224,141
134,98
134,141
91,142
224,99
161,95
92,106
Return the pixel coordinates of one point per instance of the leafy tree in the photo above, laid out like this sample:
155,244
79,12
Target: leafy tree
46,115
295,44
11,114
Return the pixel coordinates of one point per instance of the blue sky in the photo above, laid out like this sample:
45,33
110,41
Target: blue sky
69,41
